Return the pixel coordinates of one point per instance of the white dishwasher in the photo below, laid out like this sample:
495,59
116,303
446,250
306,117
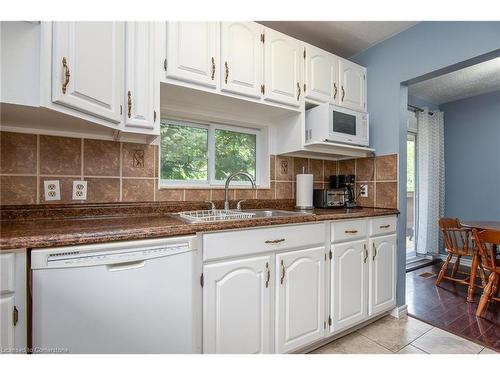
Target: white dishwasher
123,297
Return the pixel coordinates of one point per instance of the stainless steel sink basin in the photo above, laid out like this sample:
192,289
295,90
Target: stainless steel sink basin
275,213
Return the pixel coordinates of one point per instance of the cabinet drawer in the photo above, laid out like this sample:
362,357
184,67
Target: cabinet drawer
383,225
7,273
348,230
237,243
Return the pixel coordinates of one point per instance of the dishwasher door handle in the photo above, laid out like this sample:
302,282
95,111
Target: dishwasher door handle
126,266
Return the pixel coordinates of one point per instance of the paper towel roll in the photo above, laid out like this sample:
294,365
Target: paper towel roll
304,191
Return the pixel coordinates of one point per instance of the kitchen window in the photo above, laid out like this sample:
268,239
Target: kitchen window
195,154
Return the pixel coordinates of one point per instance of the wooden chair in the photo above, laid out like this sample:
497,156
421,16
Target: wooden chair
487,242
458,242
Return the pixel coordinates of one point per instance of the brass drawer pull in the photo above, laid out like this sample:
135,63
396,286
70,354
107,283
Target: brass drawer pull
227,72
275,241
343,93
351,231
129,103
385,226
335,90
282,272
66,75
213,68
298,91
374,250
366,253
268,275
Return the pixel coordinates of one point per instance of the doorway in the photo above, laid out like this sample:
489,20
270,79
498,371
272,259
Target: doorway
411,196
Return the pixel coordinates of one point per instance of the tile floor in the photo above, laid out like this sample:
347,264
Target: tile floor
402,336
445,307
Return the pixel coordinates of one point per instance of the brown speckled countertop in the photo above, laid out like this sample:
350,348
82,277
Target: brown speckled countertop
36,227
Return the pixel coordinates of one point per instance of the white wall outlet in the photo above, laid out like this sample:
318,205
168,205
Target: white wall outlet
363,190
52,190
79,190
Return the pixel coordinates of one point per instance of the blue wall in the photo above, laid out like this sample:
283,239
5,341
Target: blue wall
472,157
424,48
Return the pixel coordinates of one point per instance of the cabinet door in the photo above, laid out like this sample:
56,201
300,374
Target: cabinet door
192,52
352,86
321,72
141,83
6,323
349,284
382,274
282,79
87,67
237,306
300,304
241,58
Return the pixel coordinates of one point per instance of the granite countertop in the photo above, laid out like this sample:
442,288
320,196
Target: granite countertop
36,230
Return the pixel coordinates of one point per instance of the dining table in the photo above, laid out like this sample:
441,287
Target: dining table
480,225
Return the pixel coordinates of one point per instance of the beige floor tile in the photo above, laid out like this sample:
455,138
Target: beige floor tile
393,333
488,351
353,343
410,349
437,341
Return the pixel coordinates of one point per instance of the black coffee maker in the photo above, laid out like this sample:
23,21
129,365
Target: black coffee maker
346,182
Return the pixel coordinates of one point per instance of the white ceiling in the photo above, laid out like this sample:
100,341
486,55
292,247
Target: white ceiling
460,84
343,38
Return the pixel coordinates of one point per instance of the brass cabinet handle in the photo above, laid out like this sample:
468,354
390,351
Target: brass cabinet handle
129,103
66,75
351,231
385,226
343,93
213,68
15,316
282,272
366,253
335,90
374,250
227,72
275,241
268,275
298,91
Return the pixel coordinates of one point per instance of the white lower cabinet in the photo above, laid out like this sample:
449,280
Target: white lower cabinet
300,298
349,284
382,274
237,306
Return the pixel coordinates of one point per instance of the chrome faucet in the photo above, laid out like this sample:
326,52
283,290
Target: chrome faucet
229,179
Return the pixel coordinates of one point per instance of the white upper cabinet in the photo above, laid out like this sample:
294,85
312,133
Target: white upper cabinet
321,72
87,67
192,51
300,293
352,85
141,83
349,284
282,68
241,58
237,306
382,273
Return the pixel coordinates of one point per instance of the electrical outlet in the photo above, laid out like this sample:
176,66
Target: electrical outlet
79,190
363,190
52,190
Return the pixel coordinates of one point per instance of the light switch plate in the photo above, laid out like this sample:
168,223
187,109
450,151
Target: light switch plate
52,190
363,190
79,190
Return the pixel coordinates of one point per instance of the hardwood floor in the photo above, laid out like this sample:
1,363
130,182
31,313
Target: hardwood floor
445,307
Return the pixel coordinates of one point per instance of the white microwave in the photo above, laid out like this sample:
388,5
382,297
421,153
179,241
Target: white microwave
332,123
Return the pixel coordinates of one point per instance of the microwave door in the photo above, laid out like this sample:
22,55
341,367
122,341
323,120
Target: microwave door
343,126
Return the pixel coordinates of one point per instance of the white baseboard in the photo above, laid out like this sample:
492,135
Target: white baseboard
400,312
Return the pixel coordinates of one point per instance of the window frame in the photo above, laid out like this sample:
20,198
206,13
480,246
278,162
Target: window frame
260,155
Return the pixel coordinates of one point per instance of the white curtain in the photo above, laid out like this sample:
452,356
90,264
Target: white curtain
430,150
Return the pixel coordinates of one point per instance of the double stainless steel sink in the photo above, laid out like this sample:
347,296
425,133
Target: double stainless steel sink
208,216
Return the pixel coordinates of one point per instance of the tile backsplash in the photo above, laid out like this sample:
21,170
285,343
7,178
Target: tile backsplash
127,172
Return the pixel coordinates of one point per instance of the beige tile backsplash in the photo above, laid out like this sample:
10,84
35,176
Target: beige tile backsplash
127,172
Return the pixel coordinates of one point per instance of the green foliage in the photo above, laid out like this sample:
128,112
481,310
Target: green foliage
184,153
234,152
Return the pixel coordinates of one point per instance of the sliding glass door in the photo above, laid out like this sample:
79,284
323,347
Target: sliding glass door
411,196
